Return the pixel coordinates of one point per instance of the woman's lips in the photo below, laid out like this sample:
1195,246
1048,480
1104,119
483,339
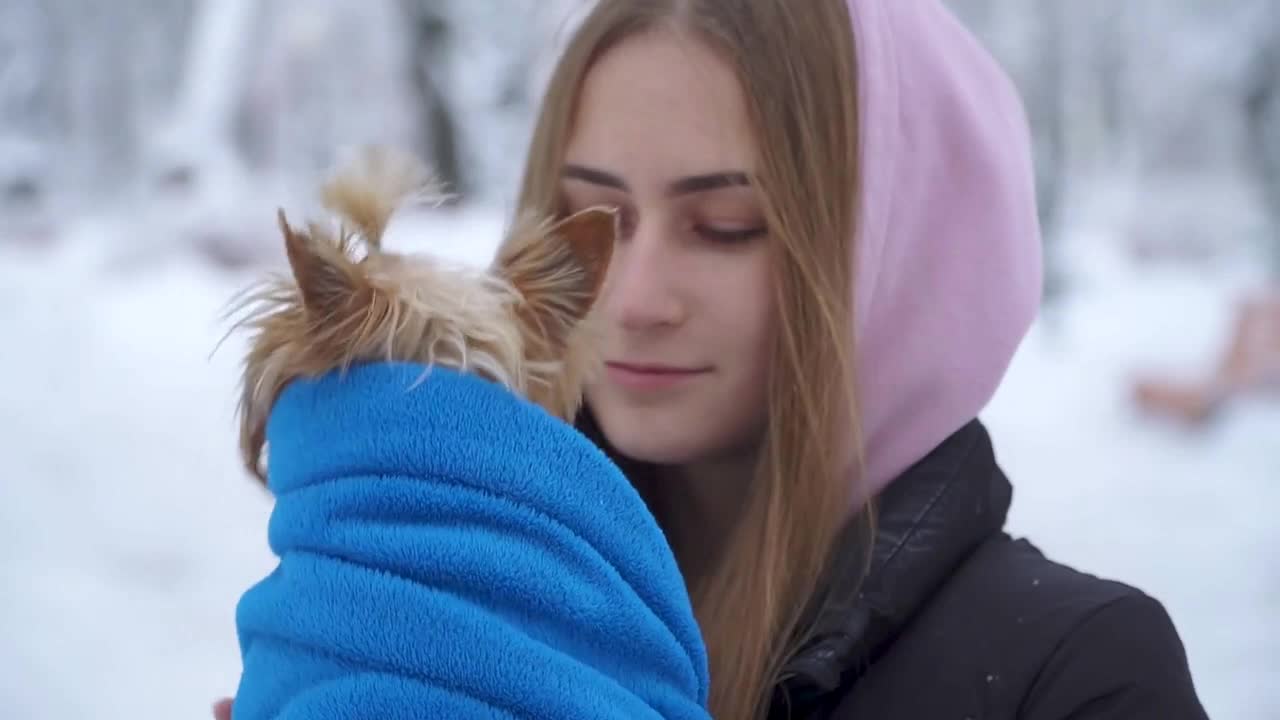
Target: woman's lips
644,377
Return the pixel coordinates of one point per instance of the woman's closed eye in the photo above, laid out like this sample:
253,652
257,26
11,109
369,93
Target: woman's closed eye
730,234
731,216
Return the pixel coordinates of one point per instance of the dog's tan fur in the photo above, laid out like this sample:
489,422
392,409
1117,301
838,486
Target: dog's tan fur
523,322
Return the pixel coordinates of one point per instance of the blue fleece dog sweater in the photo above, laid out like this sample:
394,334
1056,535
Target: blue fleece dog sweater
449,550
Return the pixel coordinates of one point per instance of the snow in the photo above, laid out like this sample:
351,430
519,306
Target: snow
127,530
1180,514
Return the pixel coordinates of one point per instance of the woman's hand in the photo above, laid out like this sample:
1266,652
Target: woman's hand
222,709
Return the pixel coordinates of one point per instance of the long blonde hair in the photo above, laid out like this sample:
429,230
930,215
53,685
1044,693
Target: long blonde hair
795,61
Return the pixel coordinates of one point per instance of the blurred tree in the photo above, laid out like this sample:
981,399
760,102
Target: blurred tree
28,116
429,48
1262,123
1045,88
196,130
100,97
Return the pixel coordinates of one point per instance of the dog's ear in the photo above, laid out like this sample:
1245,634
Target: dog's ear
559,270
321,270
590,235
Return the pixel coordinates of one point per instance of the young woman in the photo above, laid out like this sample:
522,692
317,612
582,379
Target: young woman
829,255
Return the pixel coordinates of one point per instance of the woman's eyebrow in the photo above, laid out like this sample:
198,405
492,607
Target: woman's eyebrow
683,186
595,177
708,182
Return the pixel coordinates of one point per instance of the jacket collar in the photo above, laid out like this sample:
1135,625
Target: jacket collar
927,522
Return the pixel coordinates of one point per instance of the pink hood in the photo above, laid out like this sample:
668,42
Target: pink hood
948,263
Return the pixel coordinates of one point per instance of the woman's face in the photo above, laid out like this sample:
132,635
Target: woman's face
661,134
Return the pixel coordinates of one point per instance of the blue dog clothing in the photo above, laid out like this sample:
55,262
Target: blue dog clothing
449,550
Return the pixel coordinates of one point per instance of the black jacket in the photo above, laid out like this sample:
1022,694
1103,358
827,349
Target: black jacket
958,620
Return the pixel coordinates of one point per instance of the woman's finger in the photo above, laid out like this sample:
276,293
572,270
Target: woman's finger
222,709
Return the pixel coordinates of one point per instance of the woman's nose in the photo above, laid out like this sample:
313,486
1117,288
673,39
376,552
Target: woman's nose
641,289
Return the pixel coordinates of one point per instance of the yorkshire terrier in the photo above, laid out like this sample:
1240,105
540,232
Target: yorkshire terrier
523,322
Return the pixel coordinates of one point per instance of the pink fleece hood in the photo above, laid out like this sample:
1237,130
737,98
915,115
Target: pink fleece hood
947,273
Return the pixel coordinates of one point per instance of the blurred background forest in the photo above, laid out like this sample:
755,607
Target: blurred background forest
145,144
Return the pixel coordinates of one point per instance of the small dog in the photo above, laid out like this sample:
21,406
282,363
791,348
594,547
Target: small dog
523,322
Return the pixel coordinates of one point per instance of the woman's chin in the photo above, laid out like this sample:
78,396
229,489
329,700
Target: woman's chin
655,451
653,443
667,438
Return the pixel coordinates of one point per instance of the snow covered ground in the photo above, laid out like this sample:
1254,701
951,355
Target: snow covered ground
127,530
